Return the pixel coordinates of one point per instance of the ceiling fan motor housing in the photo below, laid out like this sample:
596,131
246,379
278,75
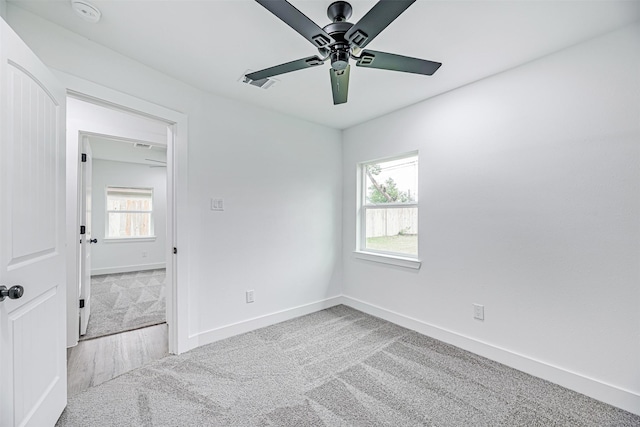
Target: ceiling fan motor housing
339,59
340,50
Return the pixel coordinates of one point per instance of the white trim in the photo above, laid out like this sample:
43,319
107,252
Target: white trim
222,332
389,259
129,239
362,206
608,393
391,158
128,268
177,203
389,205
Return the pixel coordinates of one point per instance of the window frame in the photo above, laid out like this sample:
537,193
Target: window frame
113,239
362,252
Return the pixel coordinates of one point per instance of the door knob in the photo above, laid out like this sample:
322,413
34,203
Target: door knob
13,292
93,240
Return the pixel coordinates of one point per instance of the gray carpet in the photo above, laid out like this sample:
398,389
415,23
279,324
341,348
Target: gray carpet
336,367
126,301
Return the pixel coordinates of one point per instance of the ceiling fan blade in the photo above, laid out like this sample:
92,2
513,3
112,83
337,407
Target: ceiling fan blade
377,19
298,64
393,62
340,85
298,21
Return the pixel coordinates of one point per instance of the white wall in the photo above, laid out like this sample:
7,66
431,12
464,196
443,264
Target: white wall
529,185
118,256
3,9
280,178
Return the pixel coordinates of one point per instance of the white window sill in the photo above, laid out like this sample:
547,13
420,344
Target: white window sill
389,259
129,239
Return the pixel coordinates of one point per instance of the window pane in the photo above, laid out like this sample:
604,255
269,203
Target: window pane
129,199
394,181
129,224
392,230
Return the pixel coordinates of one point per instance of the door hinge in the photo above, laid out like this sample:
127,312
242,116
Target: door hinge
175,250
82,303
82,230
84,157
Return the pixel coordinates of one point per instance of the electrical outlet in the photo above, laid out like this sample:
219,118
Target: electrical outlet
250,297
478,311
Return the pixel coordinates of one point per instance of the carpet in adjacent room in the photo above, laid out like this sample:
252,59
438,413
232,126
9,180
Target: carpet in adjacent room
126,301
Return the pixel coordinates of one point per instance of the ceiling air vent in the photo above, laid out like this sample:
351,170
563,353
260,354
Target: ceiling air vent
262,83
142,145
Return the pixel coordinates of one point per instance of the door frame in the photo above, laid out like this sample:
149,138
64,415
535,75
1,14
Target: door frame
84,267
177,294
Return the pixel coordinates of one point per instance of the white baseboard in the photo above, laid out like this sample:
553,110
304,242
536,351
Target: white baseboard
616,396
613,395
227,331
127,268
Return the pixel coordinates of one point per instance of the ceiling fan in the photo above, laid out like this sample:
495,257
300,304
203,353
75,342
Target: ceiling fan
340,41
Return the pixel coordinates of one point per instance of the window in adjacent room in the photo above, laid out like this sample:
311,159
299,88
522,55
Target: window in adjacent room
129,212
389,206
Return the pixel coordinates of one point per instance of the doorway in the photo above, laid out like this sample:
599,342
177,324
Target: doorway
121,139
116,112
123,252
124,263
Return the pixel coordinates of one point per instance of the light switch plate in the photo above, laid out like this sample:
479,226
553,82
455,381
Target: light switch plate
217,204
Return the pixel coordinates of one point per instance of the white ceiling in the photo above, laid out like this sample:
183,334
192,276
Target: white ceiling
105,148
211,43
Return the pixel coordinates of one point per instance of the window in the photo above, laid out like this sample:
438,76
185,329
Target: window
129,212
389,206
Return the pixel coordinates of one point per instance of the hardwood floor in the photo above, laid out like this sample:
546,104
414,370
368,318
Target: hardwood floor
95,361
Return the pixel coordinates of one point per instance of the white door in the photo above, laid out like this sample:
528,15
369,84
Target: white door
33,379
85,240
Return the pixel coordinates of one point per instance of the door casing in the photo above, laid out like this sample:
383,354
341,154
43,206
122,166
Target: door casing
176,123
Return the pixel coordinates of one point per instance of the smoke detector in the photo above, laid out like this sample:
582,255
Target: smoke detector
86,11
